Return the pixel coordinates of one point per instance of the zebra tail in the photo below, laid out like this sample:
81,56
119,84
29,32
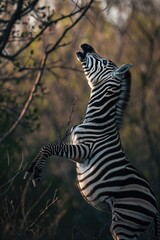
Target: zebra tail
157,226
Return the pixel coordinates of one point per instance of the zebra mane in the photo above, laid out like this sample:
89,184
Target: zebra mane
123,99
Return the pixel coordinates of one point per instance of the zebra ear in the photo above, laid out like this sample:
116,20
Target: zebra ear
119,72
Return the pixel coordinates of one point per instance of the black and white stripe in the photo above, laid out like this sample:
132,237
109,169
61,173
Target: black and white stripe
106,179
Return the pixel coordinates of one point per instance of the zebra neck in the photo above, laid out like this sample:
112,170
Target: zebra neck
123,99
101,106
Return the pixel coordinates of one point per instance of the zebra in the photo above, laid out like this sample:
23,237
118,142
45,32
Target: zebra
105,177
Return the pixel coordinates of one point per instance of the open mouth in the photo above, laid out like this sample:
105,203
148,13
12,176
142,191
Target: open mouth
81,56
86,48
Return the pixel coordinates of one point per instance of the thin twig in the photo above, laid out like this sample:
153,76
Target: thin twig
69,121
10,181
21,164
29,100
55,199
52,48
38,200
55,21
40,73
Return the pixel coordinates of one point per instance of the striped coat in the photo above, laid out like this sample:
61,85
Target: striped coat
106,179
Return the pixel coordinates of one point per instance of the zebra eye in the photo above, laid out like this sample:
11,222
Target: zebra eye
105,62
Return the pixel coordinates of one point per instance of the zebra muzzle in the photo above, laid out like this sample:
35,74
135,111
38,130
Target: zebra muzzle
86,48
81,56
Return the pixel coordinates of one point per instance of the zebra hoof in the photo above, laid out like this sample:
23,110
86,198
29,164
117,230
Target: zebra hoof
36,181
27,175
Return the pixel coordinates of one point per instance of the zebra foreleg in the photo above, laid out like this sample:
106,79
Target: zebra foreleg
38,168
75,152
31,168
36,176
37,165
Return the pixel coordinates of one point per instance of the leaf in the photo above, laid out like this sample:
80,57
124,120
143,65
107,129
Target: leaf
32,52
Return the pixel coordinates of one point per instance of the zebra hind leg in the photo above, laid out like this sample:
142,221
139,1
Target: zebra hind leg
119,232
157,226
121,235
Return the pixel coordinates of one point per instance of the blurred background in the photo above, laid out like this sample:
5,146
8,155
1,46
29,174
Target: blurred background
43,93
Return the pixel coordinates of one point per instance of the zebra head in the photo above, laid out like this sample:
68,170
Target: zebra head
97,68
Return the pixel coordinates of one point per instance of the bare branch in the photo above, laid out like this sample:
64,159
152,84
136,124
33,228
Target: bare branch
29,8
29,100
47,25
51,49
9,27
40,73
